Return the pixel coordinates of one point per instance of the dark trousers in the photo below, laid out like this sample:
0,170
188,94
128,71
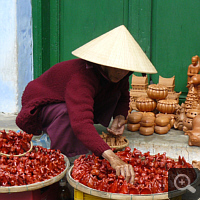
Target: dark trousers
56,123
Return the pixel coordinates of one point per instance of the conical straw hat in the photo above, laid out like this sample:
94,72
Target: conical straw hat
116,48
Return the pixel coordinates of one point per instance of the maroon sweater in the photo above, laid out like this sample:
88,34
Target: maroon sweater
90,98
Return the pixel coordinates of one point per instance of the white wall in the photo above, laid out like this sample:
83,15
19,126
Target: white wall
15,52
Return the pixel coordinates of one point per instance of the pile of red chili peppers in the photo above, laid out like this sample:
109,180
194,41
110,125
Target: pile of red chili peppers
39,165
14,143
151,172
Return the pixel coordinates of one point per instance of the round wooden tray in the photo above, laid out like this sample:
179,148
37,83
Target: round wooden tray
8,155
117,148
38,185
107,195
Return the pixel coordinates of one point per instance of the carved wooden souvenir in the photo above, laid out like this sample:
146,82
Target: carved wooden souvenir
168,82
133,127
179,116
157,91
162,120
187,124
193,68
147,121
192,99
174,95
139,86
145,104
170,116
195,80
194,134
192,113
151,114
167,106
139,83
162,129
196,164
134,117
146,130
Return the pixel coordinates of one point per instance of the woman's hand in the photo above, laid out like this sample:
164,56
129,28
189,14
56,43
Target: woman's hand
117,126
120,166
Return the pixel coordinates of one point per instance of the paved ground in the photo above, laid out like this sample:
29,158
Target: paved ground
7,121
174,143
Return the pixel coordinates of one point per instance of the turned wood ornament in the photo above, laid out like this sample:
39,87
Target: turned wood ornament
145,104
157,91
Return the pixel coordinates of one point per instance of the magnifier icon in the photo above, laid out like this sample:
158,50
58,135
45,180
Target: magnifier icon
180,178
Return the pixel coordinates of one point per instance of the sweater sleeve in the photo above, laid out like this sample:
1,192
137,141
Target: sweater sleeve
79,97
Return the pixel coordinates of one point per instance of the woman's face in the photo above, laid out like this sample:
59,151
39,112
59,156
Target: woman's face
114,74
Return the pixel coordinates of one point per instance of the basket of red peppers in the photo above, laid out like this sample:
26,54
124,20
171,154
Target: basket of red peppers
32,168
15,143
95,176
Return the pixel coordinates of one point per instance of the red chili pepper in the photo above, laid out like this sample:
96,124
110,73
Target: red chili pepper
133,190
124,188
145,190
113,187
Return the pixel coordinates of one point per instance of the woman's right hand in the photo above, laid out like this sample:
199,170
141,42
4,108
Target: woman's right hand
120,166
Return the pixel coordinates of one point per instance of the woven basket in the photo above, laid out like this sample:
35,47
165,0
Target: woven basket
35,186
108,195
20,155
117,148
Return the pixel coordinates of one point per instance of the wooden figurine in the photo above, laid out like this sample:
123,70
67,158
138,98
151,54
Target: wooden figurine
179,116
196,164
193,69
194,134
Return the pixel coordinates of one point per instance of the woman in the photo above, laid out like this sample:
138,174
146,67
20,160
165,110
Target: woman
69,98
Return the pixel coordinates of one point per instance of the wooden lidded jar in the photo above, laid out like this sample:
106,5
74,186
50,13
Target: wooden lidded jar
167,106
157,91
145,104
